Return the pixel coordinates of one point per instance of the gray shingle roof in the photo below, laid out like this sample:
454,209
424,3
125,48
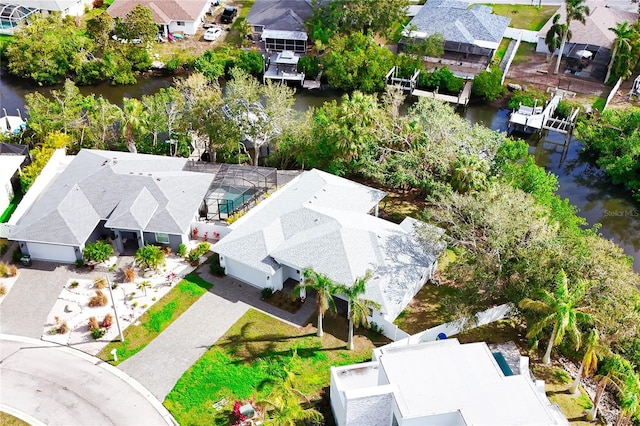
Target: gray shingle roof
128,191
163,11
288,15
319,221
459,23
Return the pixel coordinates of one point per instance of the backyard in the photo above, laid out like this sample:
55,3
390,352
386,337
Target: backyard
523,16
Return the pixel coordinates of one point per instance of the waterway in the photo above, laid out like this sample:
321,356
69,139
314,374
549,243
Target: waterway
584,185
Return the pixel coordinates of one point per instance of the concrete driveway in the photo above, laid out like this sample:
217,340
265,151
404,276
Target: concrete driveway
58,385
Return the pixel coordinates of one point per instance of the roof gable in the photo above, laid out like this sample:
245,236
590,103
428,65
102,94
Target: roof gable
287,15
163,11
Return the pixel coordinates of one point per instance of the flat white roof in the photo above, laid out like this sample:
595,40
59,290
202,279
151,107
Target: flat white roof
8,166
436,378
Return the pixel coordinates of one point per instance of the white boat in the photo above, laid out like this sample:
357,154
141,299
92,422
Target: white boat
11,124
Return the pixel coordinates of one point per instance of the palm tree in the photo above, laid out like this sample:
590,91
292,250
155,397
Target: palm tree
358,306
594,349
284,403
325,289
617,369
149,257
553,38
576,11
629,400
560,310
624,39
144,285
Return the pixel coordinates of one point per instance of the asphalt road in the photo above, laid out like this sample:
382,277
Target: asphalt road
63,386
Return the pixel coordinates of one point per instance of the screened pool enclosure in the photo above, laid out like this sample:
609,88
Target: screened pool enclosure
234,188
11,15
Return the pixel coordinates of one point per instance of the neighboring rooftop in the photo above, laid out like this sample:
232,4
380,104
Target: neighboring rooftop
8,166
13,149
458,22
164,11
130,191
445,378
285,15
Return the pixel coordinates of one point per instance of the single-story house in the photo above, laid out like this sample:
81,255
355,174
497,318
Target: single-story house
280,23
321,222
440,383
183,16
134,199
474,30
9,167
592,41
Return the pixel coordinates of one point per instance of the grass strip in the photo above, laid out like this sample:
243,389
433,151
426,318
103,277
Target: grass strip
255,351
157,318
523,16
233,38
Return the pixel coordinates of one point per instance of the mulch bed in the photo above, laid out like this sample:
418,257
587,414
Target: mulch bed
284,301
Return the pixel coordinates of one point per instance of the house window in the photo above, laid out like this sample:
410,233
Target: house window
180,23
162,238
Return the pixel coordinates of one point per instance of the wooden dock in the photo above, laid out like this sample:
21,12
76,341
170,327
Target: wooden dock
461,99
538,119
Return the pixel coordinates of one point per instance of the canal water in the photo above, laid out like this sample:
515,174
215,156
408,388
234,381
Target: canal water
584,185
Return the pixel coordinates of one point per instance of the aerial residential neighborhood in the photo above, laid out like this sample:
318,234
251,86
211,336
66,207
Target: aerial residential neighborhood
296,212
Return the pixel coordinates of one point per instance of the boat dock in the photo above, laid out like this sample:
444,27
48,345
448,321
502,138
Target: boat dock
409,85
537,119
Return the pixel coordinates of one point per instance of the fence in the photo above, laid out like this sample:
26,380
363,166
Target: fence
524,35
452,328
612,93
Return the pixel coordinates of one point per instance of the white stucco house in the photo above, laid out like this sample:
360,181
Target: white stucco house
322,222
172,16
133,199
441,383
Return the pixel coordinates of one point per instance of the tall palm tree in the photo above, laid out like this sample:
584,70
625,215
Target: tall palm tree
577,10
594,349
553,38
617,369
358,306
560,310
325,289
623,44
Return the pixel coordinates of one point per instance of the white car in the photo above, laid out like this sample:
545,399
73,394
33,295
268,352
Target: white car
212,34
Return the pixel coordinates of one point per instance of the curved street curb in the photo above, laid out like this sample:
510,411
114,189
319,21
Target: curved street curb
21,415
137,386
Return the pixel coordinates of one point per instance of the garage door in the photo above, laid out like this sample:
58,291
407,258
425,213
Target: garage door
52,252
245,273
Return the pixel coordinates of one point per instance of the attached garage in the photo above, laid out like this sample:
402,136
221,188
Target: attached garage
51,252
244,273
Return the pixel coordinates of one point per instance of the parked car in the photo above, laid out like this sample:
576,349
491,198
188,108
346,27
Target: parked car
228,14
212,34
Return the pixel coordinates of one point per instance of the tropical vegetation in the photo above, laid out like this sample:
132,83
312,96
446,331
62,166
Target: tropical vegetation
98,251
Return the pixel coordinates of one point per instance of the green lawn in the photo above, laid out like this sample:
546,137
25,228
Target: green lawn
157,318
9,210
254,351
524,16
557,382
233,38
502,49
524,53
9,420
425,310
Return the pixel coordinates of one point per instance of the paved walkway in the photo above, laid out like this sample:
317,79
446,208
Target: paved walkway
57,385
159,365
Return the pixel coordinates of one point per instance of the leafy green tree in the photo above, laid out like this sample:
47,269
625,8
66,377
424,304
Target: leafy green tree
99,251
47,50
325,289
488,84
133,122
432,46
560,310
356,62
469,174
102,118
138,24
576,10
99,29
358,306
149,256
40,156
210,64
349,16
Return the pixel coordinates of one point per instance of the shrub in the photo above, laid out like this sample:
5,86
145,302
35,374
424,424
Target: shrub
266,292
79,263
12,270
3,269
150,257
487,84
98,251
100,282
565,108
63,328
309,65
441,78
529,97
182,250
129,275
74,284
4,246
100,299
107,321
235,216
215,267
3,290
203,248
93,323
97,333
194,257
16,255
